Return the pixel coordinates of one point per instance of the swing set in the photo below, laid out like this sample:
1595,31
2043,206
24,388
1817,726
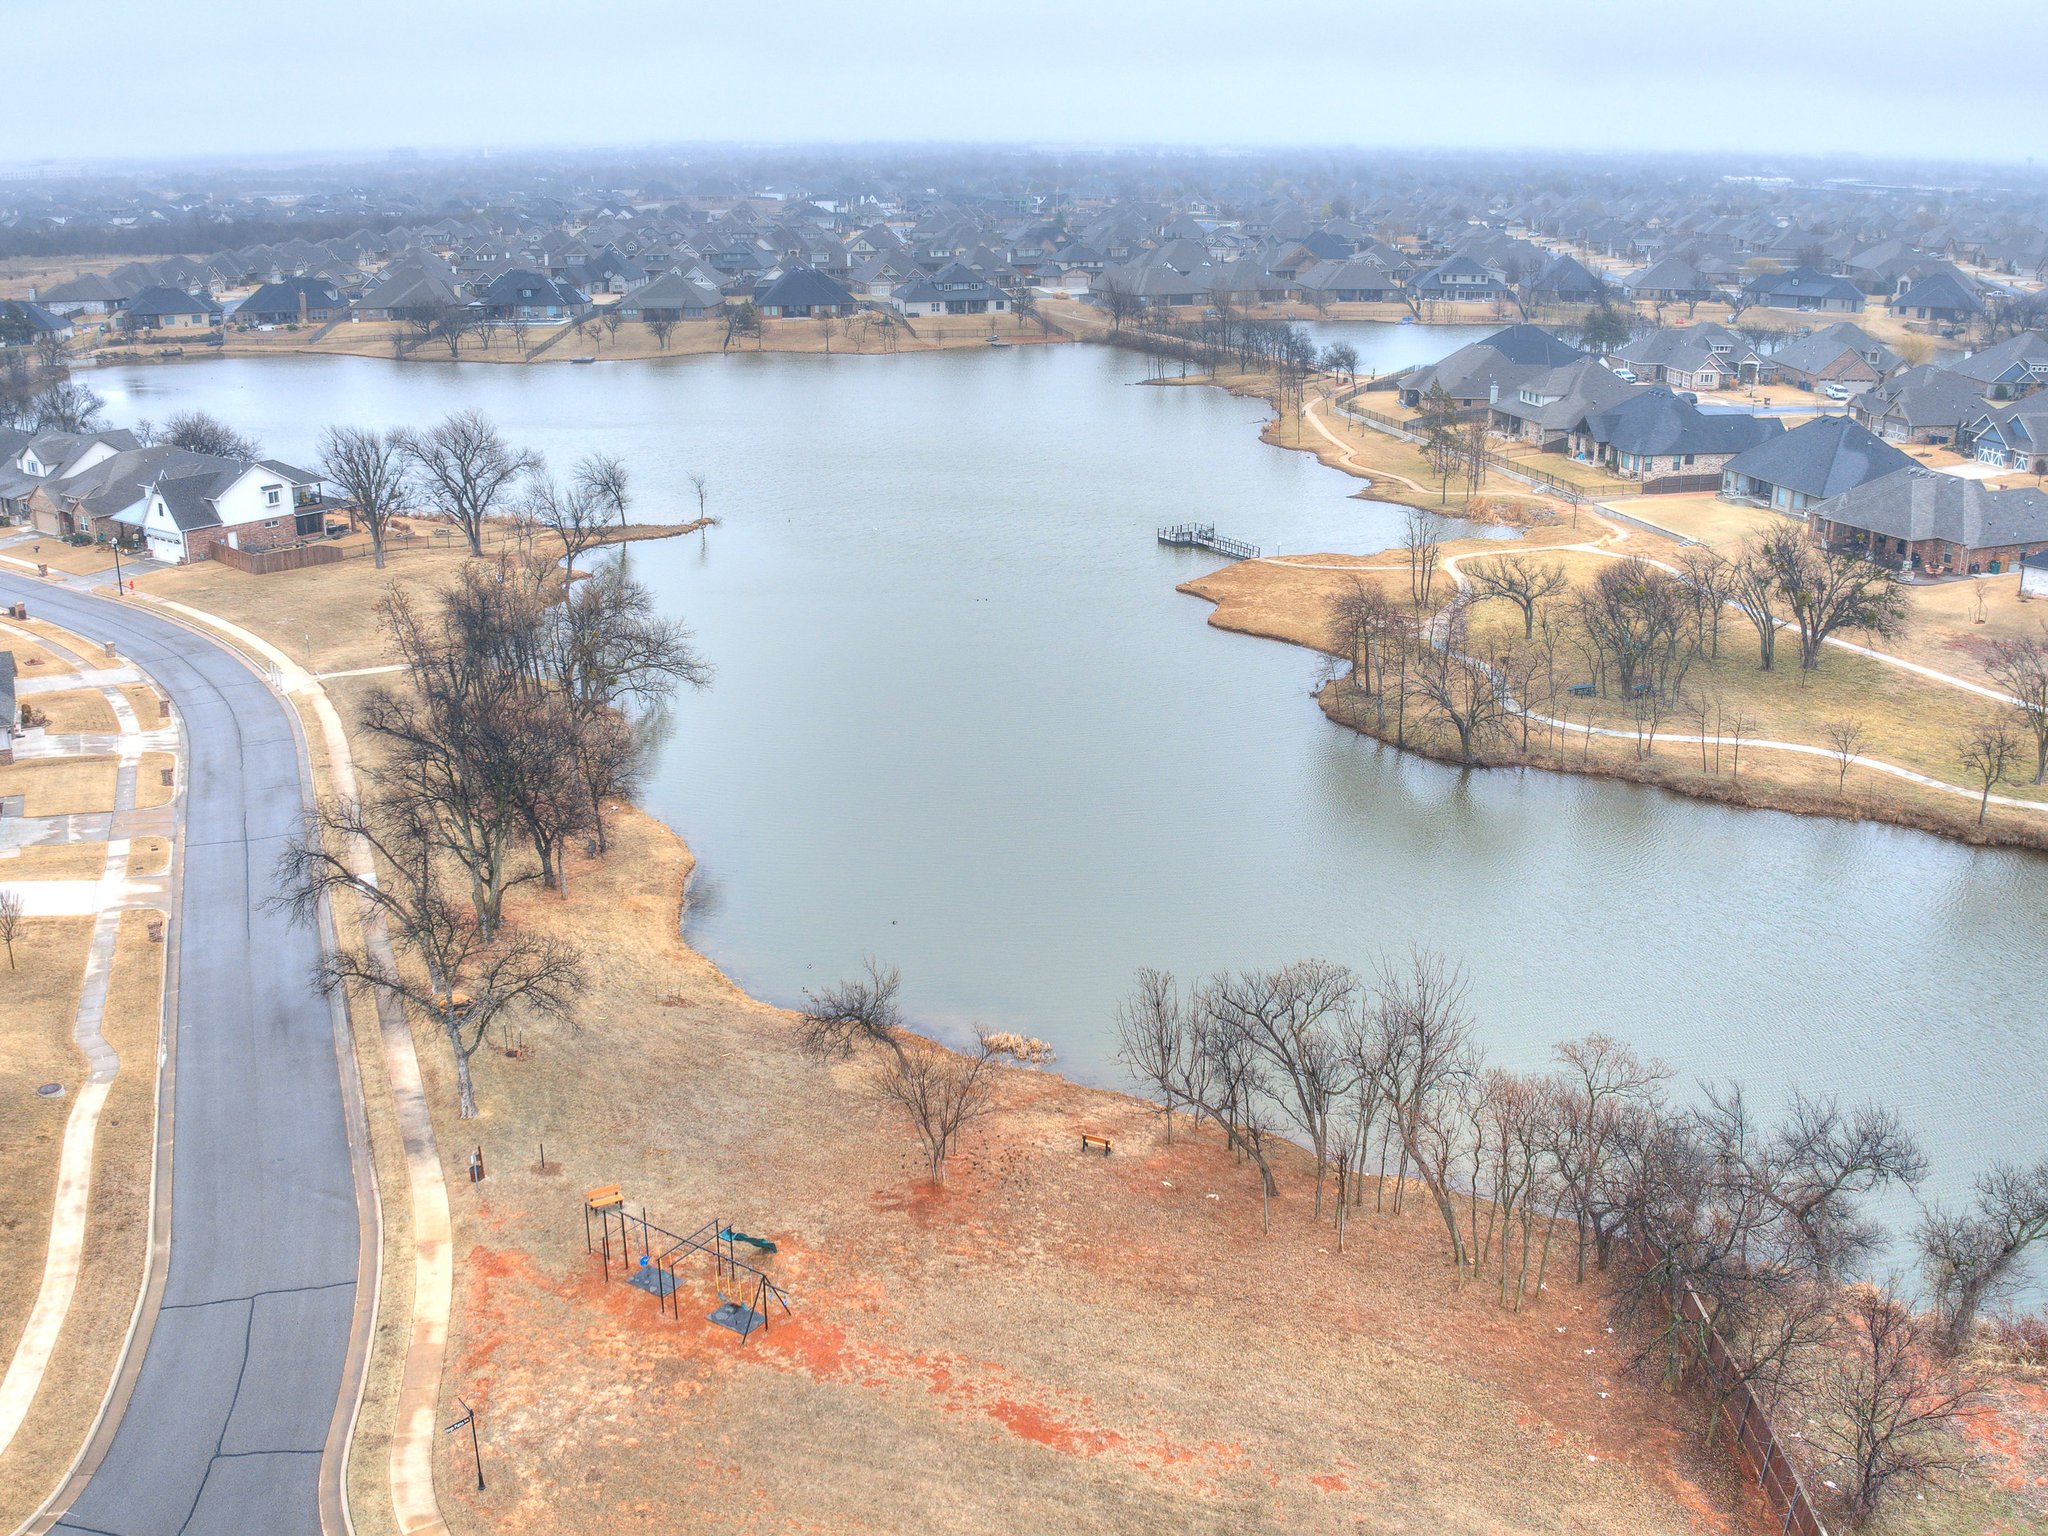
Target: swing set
652,1258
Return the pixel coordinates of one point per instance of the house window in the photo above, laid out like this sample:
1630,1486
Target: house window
273,495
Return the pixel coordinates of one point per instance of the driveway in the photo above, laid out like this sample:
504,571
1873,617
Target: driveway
231,1409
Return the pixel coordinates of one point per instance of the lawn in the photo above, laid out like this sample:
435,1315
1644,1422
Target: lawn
61,786
117,1220
76,711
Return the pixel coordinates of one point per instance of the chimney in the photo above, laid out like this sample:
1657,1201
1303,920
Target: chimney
1493,394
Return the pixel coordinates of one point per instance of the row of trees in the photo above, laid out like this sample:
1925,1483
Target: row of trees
526,704
1708,1218
463,468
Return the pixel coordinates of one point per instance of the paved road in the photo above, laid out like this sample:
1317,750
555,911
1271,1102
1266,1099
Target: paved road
245,1363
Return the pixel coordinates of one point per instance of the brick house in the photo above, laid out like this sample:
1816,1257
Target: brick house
1928,524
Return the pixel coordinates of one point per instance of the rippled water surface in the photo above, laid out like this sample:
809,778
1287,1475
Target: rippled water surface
963,721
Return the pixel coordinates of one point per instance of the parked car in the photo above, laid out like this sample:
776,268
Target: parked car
1834,391
1626,375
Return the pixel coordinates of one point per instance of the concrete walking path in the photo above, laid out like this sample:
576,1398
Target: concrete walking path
415,1427
104,900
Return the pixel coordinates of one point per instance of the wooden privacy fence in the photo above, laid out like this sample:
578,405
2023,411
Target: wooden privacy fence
1750,1434
266,562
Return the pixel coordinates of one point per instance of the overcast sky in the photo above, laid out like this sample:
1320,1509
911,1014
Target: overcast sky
213,77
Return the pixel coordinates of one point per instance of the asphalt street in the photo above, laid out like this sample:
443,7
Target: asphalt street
224,1431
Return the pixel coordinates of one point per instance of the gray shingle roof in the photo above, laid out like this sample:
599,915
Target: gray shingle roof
1915,504
1825,457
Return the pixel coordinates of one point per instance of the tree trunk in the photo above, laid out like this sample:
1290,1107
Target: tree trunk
465,1089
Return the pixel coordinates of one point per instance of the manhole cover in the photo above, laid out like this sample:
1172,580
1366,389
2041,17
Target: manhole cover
50,1090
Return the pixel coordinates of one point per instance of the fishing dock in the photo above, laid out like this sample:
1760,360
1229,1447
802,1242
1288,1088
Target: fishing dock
1205,536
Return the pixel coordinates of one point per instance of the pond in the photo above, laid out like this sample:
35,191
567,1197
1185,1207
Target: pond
962,721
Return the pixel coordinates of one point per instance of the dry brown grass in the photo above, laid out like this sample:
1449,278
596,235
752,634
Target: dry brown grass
117,1229
146,703
148,856
32,660
61,786
76,559
1079,1343
150,788
76,711
1700,516
38,1003
56,861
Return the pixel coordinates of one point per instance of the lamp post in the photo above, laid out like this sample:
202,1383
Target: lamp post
117,567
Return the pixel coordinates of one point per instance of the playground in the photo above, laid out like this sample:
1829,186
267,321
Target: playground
1080,1341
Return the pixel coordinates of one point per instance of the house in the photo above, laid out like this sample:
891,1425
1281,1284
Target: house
169,309
673,296
1566,280
292,301
1944,296
1694,357
1150,287
1922,404
1545,406
2010,436
1927,523
952,290
1669,281
2008,369
525,295
35,458
90,293
1665,442
1843,353
103,497
804,293
1824,458
1349,282
23,323
1806,289
1482,371
408,292
1461,280
264,505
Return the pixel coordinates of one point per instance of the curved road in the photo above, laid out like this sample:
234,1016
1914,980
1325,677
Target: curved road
248,1348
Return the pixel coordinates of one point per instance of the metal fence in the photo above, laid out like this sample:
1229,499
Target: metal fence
1750,1435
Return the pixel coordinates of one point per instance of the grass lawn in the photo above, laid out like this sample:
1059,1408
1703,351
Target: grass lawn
56,861
117,1221
38,1003
77,559
150,788
61,786
1702,517
76,711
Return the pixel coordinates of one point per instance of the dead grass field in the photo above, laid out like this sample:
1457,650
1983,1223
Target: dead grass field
148,856
144,700
38,1003
1081,1343
61,786
19,274
150,788
75,711
1701,516
56,861
76,559
117,1227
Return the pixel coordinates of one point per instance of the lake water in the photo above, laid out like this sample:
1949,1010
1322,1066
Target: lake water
963,721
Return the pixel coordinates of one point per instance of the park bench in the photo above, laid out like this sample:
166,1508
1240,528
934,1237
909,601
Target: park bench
1094,1143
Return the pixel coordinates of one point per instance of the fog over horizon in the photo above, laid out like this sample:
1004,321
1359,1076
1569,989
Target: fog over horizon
1754,81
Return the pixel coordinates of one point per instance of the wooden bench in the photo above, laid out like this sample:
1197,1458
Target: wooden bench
1093,1143
604,1198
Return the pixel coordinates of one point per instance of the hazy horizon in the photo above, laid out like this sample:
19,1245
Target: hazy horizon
1746,79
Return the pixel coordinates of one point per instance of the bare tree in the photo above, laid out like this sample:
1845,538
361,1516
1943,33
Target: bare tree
1439,438
1153,1038
860,1011
1604,1085
940,1092
202,432
1360,624
1522,580
1830,590
2020,667
1458,691
1638,616
1753,588
603,478
1422,540
573,513
1846,738
663,326
368,467
1425,1055
10,922
462,975
1886,1412
469,467
1976,1255
1988,753
1711,579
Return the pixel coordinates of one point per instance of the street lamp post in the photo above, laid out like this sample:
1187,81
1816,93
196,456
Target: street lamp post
117,568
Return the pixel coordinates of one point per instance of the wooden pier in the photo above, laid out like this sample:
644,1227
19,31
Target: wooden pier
1205,536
